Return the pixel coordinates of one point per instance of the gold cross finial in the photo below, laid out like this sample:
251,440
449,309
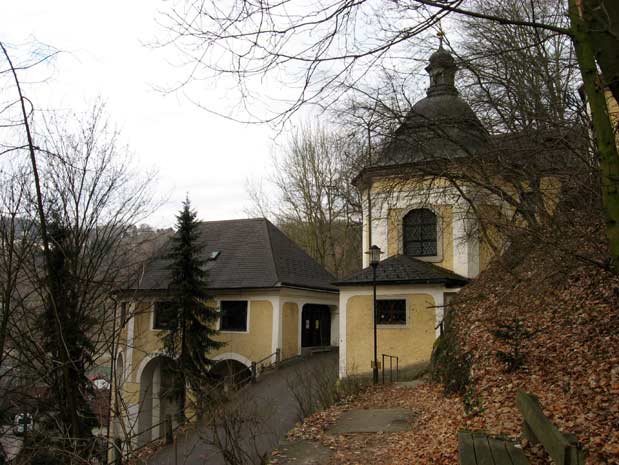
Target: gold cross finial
440,34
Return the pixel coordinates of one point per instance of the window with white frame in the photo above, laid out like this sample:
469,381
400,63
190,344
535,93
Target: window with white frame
391,311
233,315
165,316
419,231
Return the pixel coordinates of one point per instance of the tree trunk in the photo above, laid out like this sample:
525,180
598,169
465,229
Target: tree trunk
602,127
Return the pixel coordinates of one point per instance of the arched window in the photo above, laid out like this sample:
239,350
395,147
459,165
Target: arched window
419,231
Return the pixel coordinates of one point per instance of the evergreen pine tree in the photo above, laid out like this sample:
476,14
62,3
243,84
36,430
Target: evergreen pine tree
191,341
63,323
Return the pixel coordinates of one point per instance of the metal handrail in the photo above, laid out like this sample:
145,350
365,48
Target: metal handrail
397,367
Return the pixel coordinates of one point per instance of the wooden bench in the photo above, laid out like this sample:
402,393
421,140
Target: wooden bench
479,449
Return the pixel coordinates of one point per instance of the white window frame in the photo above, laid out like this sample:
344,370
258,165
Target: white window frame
227,331
439,233
407,323
152,317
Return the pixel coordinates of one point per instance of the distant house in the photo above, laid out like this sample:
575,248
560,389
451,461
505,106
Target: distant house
271,295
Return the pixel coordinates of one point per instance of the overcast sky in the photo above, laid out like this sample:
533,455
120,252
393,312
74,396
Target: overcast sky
104,56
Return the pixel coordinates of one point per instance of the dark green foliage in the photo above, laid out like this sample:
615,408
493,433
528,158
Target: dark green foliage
451,365
514,334
65,329
191,341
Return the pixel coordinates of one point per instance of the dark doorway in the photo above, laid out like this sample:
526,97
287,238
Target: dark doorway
231,372
315,325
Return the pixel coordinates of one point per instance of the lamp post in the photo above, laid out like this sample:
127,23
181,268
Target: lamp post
374,253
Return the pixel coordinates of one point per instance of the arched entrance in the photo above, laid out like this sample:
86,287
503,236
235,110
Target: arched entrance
158,398
315,325
231,372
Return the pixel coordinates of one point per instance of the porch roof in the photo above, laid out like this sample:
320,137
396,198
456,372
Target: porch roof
402,269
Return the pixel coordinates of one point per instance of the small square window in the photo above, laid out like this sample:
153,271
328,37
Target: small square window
166,316
391,311
233,315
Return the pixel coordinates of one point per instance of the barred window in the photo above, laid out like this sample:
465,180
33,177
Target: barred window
391,311
419,231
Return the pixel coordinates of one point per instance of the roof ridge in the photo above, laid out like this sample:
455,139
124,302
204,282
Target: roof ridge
232,219
271,252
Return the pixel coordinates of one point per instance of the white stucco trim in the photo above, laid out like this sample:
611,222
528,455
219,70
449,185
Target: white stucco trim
335,325
130,336
233,356
131,422
466,243
147,358
342,310
276,334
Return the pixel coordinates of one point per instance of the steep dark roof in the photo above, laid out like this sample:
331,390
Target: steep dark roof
253,253
402,269
441,125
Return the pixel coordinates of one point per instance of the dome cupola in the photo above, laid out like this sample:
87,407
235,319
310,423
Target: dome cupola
439,126
442,70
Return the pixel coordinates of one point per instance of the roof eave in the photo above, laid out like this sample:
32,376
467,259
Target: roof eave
448,282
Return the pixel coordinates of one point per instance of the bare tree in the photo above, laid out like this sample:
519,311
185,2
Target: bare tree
316,205
91,199
323,51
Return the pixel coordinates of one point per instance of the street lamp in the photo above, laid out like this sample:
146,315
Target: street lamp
374,253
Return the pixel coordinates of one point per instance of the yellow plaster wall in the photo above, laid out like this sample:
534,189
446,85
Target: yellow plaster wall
394,184
394,233
290,328
411,343
256,343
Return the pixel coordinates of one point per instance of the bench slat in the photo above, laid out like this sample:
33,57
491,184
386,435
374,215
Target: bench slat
466,449
517,455
546,433
575,453
499,451
482,449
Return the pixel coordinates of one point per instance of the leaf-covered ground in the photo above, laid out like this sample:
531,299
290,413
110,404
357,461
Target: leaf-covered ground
571,362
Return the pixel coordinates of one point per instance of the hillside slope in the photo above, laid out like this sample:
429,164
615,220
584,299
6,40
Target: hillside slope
560,322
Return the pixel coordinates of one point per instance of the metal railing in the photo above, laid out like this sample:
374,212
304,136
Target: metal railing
266,363
397,367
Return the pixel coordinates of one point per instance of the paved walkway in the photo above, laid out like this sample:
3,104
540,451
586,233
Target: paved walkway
383,420
275,402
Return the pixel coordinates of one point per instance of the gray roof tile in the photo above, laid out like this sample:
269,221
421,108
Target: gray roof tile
253,254
402,269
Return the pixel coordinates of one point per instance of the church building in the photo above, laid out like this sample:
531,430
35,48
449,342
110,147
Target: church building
422,224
